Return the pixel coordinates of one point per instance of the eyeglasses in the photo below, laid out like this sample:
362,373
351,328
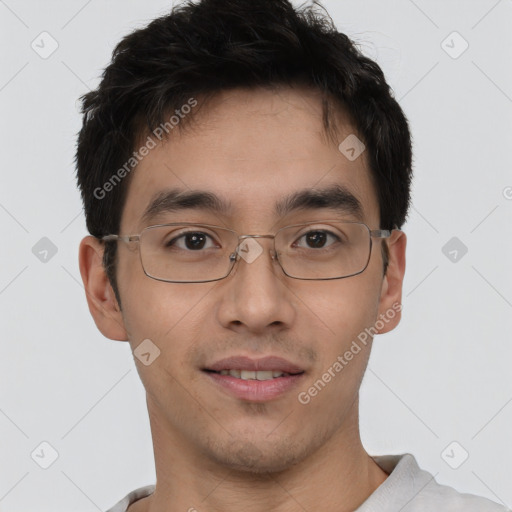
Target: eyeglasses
198,253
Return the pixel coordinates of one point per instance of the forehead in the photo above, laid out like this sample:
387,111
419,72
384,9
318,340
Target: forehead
252,149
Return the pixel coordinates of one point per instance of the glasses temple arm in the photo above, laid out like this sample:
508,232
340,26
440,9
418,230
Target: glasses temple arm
382,233
125,238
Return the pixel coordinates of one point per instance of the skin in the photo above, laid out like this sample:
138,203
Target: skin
214,452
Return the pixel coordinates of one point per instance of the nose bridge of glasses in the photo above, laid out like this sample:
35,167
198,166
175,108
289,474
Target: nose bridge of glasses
250,251
243,237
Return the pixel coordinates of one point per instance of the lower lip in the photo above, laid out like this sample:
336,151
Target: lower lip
255,390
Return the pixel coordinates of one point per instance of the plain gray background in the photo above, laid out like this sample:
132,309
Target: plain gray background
442,377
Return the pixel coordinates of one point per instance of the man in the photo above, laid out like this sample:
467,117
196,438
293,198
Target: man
245,172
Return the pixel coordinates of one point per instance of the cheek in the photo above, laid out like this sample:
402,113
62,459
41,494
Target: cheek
167,317
343,311
344,307
151,308
161,321
172,317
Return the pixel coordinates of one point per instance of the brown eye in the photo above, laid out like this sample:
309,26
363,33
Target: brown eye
195,240
317,239
192,241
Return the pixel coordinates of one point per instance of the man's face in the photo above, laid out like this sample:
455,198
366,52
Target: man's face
251,149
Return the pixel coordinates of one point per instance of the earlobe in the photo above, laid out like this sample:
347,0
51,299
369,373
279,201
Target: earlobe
99,293
390,303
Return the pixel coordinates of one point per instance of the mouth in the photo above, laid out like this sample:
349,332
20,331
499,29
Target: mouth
255,380
254,374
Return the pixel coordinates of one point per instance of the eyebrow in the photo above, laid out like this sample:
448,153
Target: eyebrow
174,200
335,197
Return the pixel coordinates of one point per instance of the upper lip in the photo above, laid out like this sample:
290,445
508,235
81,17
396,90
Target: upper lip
262,364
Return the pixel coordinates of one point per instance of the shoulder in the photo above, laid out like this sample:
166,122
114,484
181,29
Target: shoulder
408,488
445,498
131,498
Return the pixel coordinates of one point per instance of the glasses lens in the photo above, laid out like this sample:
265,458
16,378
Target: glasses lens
325,250
187,252
198,253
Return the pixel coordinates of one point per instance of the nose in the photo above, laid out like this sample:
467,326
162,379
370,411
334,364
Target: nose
256,296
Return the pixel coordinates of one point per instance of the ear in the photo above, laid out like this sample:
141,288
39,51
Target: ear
100,295
390,302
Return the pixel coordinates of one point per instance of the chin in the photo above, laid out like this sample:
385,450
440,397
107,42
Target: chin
247,457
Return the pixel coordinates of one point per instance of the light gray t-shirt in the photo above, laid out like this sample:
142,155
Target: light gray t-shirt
407,489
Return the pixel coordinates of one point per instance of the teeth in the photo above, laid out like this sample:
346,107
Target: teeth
264,375
253,375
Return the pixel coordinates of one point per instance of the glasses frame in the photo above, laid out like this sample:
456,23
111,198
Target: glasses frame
235,256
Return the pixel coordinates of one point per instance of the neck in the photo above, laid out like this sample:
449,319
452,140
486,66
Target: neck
340,475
